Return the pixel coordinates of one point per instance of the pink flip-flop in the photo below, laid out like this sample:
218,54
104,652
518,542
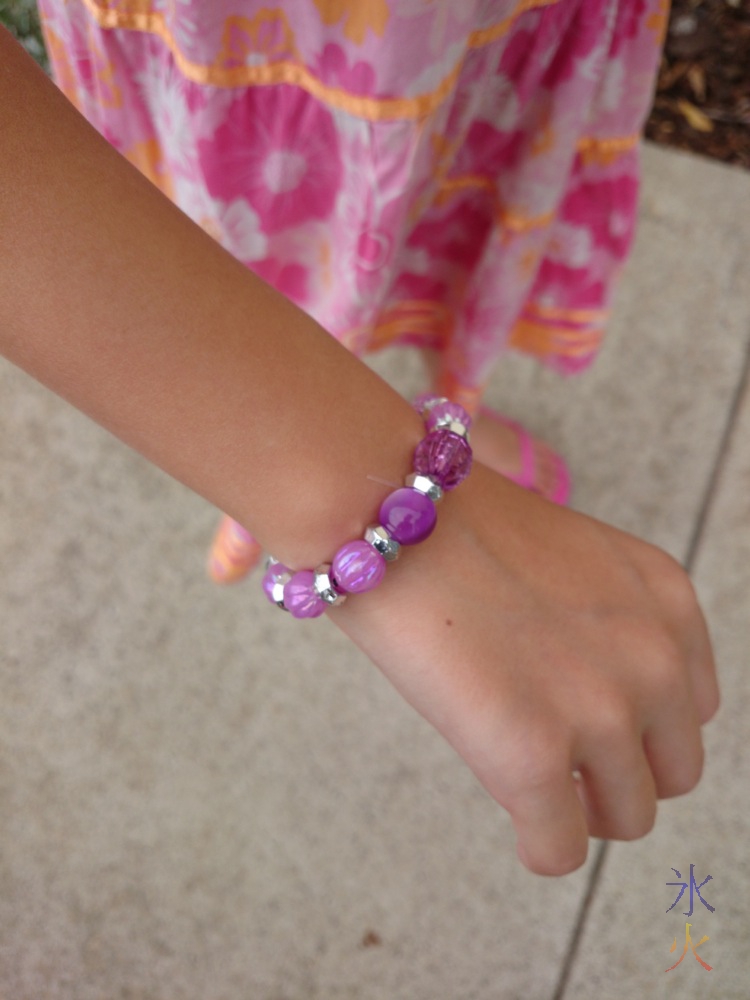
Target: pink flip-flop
527,476
233,553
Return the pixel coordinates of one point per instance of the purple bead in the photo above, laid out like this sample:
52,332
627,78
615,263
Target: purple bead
408,515
301,598
444,455
357,567
446,412
273,574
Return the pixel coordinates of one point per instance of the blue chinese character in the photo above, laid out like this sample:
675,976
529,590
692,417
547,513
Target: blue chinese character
693,888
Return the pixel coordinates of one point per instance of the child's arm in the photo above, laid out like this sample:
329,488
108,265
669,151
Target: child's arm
537,640
114,299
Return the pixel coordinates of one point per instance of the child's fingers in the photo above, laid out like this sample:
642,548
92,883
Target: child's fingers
550,823
619,793
676,596
675,749
233,554
702,668
614,797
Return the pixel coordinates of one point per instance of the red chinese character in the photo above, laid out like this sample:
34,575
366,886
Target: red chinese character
689,941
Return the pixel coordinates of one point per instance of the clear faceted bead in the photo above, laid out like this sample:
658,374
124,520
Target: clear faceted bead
426,401
276,578
444,455
447,414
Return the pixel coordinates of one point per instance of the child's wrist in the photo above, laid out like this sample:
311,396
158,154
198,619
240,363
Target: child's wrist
404,517
332,490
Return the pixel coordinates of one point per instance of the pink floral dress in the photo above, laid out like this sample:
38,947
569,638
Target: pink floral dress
456,174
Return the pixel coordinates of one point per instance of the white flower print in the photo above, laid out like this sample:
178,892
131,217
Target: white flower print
570,245
164,91
241,233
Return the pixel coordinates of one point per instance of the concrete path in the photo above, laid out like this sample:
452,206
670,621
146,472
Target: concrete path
200,800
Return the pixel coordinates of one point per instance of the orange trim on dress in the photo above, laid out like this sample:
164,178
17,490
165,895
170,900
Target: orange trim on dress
603,152
544,340
138,16
485,36
567,315
519,222
429,323
591,149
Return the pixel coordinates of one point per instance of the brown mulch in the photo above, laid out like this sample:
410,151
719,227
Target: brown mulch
702,100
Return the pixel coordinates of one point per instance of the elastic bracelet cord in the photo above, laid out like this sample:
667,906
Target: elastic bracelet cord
442,461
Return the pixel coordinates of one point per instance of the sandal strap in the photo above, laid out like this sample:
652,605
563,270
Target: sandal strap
527,475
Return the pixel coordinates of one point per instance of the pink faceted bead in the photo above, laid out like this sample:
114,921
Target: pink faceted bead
357,567
446,412
300,597
408,515
444,455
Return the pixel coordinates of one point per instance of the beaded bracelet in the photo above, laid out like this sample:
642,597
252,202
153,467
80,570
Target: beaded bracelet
442,461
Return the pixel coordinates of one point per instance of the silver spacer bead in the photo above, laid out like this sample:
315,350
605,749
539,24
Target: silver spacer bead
324,586
455,426
379,538
425,484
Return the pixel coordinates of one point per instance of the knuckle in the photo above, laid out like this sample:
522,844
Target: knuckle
640,824
661,659
673,585
613,719
684,778
666,665
537,764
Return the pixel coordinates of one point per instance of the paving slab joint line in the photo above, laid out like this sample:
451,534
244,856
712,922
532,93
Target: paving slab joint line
710,492
743,386
580,923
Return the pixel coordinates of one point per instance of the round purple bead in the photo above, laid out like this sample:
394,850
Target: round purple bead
300,597
357,567
444,455
408,515
273,574
446,412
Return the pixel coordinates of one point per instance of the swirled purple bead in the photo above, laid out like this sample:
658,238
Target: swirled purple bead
445,412
300,597
357,567
444,455
408,515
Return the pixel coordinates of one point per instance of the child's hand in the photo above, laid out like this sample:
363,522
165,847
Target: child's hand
545,645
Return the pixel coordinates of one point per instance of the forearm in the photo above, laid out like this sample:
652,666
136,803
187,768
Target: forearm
114,299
